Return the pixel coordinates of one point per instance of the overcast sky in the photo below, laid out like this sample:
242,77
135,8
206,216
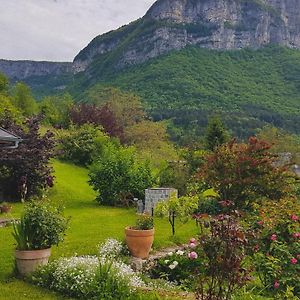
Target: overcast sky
57,30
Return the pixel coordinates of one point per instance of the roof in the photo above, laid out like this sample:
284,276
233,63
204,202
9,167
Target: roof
8,140
6,136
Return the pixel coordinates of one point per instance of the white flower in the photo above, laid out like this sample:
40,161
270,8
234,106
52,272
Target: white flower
175,263
170,253
166,261
172,266
179,252
110,248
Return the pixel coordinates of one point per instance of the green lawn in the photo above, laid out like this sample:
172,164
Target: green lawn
89,225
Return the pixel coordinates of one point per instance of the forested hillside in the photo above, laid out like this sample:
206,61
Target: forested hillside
248,88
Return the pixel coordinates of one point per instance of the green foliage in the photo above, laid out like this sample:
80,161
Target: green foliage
41,226
55,110
8,110
175,175
181,208
152,142
222,252
246,173
216,134
177,267
118,177
144,222
81,145
23,99
282,142
3,84
247,88
276,256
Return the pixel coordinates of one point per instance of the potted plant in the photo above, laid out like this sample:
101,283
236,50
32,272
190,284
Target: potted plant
5,208
40,227
139,238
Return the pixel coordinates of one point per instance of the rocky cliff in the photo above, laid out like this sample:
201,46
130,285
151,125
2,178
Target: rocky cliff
23,69
213,24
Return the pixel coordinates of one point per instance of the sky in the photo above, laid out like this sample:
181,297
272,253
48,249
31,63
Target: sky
56,30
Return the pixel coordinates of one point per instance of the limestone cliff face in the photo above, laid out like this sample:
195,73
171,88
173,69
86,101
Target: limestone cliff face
22,69
237,23
213,24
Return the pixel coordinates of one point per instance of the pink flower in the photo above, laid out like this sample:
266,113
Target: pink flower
273,237
192,245
276,284
294,218
256,248
294,261
296,235
193,241
193,255
260,223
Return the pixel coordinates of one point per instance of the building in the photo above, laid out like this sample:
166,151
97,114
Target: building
8,140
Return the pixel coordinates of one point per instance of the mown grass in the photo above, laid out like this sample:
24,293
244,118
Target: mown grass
89,225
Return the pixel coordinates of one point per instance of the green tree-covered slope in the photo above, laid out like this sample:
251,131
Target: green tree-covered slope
248,88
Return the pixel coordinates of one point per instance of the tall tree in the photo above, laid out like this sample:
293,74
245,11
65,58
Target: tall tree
56,109
216,134
127,107
23,99
3,84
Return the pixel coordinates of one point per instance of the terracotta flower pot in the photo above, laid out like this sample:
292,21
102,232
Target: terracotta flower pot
139,242
29,261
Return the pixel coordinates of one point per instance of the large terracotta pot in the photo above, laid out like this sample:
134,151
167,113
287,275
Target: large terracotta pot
29,261
139,242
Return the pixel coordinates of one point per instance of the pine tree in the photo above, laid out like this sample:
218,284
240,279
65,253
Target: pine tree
216,134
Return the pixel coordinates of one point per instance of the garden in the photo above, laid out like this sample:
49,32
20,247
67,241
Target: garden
230,231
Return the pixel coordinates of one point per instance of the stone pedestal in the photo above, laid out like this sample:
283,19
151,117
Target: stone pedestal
154,196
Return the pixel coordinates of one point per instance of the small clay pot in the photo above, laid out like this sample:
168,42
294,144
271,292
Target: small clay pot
29,261
139,242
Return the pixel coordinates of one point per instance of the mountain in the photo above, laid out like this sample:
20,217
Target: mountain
188,59
174,24
212,24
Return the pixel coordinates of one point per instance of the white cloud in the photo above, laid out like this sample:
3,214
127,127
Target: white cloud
57,30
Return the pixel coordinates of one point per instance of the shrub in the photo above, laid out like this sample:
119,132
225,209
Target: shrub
222,252
177,267
40,227
56,109
175,175
277,252
25,171
81,144
92,114
244,173
118,177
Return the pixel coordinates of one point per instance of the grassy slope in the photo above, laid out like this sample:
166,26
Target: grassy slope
251,87
89,225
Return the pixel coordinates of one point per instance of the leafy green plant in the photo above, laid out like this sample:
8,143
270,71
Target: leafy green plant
40,227
277,252
176,267
222,252
144,222
177,208
246,173
81,144
118,177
